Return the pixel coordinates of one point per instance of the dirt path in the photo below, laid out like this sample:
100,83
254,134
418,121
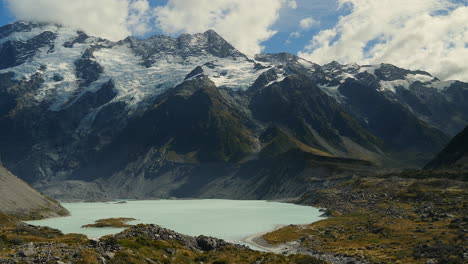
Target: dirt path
257,241
294,248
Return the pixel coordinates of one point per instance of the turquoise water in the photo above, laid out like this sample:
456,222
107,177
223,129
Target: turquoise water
227,219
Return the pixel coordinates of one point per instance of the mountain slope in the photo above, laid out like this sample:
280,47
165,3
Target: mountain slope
297,104
19,199
82,116
454,155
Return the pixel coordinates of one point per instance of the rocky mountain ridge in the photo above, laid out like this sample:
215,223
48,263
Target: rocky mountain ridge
194,117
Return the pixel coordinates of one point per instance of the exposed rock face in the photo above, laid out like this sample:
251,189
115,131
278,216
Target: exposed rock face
19,199
156,232
454,156
87,69
193,116
158,48
14,53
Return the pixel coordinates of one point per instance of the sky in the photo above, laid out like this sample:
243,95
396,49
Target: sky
429,35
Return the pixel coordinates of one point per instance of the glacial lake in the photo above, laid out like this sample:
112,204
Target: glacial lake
231,220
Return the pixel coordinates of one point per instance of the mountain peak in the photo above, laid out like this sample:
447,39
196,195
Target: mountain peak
19,26
212,33
209,42
276,58
184,46
140,103
390,72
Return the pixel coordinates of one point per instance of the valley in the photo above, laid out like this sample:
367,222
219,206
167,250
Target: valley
88,118
196,137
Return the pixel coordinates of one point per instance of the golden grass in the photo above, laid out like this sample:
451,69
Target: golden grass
370,232
88,257
111,222
139,249
376,237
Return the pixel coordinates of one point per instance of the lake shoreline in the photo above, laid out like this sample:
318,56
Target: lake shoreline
257,241
294,248
207,216
123,200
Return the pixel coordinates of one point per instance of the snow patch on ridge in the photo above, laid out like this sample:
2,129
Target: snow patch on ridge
333,91
59,62
27,35
419,77
369,69
442,85
391,85
345,76
135,82
238,74
407,82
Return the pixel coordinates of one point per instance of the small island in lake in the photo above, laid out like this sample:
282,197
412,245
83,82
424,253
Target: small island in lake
112,222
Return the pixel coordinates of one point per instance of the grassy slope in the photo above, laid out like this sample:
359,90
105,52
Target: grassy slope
111,222
140,249
388,220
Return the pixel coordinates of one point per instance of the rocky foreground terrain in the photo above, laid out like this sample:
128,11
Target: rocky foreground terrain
21,243
387,219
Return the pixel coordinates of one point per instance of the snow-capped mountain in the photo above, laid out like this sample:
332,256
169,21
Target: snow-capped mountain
193,116
427,97
72,63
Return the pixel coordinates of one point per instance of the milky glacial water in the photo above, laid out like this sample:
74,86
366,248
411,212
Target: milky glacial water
231,220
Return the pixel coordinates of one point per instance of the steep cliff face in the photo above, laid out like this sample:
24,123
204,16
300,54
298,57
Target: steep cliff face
19,199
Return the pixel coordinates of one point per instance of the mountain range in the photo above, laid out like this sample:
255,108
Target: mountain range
85,117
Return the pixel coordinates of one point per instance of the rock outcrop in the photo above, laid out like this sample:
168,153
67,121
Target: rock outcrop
155,232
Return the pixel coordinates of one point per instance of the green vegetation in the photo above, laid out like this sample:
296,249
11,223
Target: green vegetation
137,250
14,233
388,221
16,238
111,222
217,130
276,141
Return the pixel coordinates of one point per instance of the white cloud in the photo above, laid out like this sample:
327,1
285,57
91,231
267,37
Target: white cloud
111,19
307,23
139,18
304,25
295,35
243,23
419,34
292,4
